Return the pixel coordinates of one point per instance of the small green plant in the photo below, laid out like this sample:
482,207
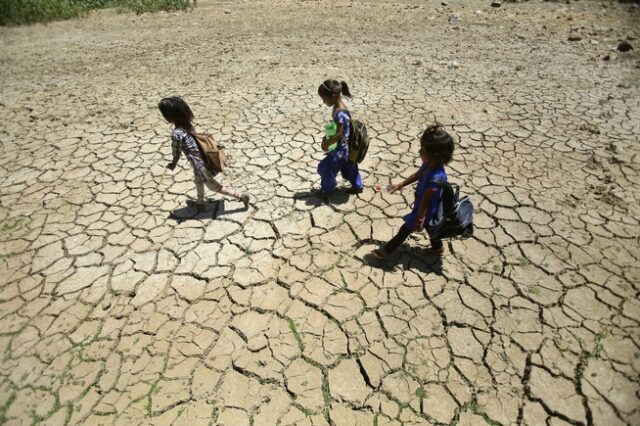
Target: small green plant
534,289
307,412
421,393
326,396
5,407
471,406
15,227
505,358
597,340
296,335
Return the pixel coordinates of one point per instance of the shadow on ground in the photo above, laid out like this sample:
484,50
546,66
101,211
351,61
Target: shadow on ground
408,257
316,198
213,209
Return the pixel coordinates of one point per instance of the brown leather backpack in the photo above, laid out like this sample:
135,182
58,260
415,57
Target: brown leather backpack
212,153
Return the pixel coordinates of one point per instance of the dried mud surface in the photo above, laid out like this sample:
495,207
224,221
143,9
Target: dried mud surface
120,305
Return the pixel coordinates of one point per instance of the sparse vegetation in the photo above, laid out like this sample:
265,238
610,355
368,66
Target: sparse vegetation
326,396
296,335
534,289
143,6
4,256
12,224
597,341
16,227
17,12
470,406
5,407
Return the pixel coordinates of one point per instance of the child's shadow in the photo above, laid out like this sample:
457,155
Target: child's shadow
213,209
312,198
408,257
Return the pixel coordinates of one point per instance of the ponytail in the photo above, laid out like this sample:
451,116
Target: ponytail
345,89
334,88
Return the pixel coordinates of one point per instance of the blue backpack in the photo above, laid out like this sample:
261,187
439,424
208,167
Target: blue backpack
455,214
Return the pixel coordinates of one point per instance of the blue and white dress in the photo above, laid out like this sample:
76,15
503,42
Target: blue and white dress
338,160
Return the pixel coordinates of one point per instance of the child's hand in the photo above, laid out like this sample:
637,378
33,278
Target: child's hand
171,166
325,143
395,187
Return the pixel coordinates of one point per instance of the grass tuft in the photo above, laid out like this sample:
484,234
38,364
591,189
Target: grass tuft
296,335
4,408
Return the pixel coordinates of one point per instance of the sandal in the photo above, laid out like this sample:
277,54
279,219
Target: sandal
245,200
434,252
380,254
318,192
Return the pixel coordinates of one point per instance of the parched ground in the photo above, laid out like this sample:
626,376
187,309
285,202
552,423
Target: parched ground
120,305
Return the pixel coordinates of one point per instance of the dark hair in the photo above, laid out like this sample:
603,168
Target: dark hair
176,111
438,144
334,87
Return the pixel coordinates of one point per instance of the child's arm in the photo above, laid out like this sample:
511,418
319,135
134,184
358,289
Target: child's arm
175,149
422,211
408,181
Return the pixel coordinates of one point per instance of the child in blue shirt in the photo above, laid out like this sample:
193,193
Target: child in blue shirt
436,150
337,159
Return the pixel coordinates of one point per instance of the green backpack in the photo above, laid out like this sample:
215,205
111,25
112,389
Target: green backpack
358,140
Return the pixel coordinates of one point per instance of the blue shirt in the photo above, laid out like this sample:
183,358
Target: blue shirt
426,175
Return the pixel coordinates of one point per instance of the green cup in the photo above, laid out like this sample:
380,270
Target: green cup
330,129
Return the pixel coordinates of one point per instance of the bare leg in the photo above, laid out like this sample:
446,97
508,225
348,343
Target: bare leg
199,191
215,186
230,193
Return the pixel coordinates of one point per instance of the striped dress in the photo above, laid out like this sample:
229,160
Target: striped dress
182,141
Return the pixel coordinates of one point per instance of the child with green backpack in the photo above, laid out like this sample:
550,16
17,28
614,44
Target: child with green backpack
336,143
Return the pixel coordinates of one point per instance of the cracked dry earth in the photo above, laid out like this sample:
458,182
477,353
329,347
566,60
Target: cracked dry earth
120,305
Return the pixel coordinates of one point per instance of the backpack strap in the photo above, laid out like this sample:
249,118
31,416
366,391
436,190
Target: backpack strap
448,195
441,182
194,135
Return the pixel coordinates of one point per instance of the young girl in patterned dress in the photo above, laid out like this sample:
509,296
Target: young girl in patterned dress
177,112
337,160
436,150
